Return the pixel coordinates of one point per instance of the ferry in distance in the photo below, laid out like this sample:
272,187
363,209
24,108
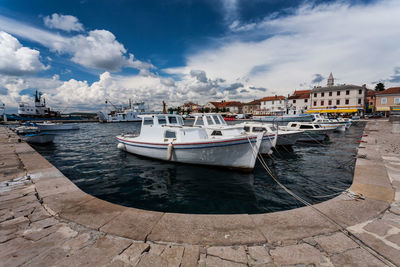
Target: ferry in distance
130,113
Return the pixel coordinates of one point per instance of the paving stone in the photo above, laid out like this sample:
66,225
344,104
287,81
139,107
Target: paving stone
234,253
39,213
53,186
18,202
173,255
133,223
378,227
56,203
191,256
156,249
297,254
258,255
356,257
94,213
152,260
394,239
80,241
17,223
131,256
391,219
42,224
212,261
38,233
100,253
336,243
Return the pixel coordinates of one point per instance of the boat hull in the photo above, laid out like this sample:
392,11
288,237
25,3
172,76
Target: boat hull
236,153
268,142
39,138
313,136
57,127
288,139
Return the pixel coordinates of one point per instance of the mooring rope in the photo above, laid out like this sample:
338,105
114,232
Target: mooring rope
341,228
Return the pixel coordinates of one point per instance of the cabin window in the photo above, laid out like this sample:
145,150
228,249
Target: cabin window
294,125
162,120
246,128
170,134
209,120
306,127
258,129
172,120
180,121
216,119
199,121
148,121
272,128
216,133
317,126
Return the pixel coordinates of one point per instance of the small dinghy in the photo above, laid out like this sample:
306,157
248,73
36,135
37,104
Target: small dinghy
165,137
51,126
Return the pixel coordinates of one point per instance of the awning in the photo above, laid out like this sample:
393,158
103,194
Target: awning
337,110
382,109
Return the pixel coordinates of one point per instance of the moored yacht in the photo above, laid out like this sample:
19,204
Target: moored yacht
216,126
284,138
165,137
312,132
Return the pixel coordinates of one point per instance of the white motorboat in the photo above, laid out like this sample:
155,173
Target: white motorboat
313,132
38,138
51,126
131,113
27,129
215,125
285,138
337,125
165,137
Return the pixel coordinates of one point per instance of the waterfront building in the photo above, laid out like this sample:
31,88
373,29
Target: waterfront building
344,98
273,105
299,102
370,101
252,107
387,99
224,106
190,107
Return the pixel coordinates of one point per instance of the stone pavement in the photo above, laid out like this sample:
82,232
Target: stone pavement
46,220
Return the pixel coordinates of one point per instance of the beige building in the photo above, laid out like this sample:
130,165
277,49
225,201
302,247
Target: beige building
388,98
273,105
344,98
252,107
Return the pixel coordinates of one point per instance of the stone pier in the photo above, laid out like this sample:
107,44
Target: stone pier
45,220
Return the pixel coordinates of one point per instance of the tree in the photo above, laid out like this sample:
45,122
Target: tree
379,87
207,110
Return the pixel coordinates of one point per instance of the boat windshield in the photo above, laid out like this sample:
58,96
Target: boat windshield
258,129
216,119
162,120
209,120
199,121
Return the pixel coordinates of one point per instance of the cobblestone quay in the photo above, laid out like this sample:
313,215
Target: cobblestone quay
46,220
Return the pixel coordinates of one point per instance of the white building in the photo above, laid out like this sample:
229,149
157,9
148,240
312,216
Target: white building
273,105
299,102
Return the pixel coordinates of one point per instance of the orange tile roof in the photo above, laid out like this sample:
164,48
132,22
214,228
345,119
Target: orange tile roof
301,92
389,91
272,98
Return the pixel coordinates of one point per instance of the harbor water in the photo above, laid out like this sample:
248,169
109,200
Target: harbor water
89,157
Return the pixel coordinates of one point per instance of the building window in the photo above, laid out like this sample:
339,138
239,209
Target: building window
322,94
346,101
330,93
315,94
294,101
338,102
397,100
347,92
315,103
338,93
306,100
322,102
383,100
330,102
360,92
359,101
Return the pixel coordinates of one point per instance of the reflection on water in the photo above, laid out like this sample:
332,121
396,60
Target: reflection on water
90,158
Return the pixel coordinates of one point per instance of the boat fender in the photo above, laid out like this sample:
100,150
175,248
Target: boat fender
169,151
121,146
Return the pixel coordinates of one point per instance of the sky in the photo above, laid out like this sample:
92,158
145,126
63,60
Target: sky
80,53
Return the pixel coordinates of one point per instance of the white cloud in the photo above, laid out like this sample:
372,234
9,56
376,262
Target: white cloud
97,49
63,22
358,43
16,59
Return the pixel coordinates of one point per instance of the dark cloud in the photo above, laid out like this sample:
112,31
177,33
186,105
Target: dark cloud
234,86
395,78
244,91
317,78
200,75
259,69
262,89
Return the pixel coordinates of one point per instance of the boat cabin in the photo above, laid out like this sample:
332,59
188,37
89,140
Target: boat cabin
167,128
216,126
303,126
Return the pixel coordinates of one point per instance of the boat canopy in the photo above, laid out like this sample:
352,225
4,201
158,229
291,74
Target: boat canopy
162,119
209,119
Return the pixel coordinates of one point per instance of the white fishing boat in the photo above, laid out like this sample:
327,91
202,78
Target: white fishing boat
217,126
284,138
337,125
51,126
38,138
165,137
312,132
131,113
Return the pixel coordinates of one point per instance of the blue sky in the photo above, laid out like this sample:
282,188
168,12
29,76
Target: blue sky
80,52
